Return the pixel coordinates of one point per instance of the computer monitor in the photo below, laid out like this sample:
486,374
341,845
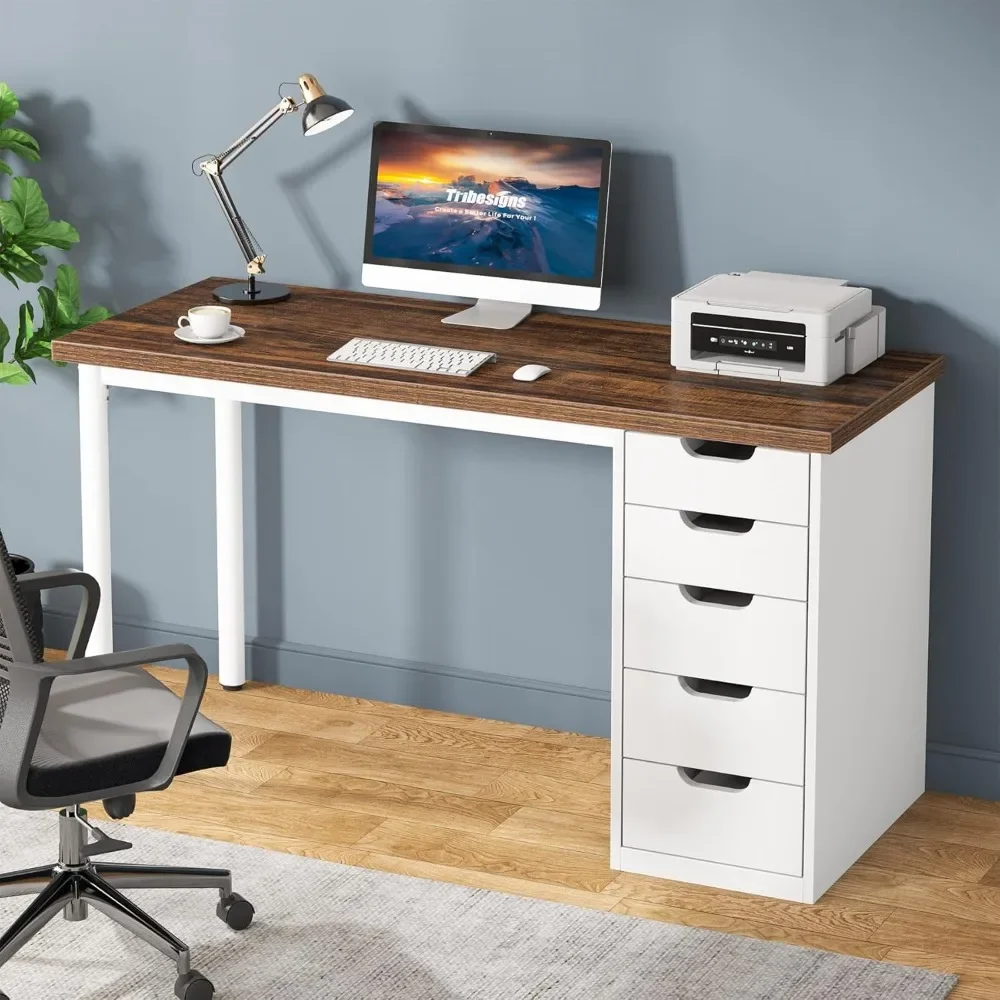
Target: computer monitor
510,219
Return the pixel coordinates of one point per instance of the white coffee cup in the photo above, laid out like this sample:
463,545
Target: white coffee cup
207,322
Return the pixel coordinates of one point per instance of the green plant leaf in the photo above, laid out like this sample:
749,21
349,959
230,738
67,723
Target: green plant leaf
25,328
40,347
4,169
50,310
25,209
13,373
16,262
94,315
8,102
52,233
67,295
20,143
4,338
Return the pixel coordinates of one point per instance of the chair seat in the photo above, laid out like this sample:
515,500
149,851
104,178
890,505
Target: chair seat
109,730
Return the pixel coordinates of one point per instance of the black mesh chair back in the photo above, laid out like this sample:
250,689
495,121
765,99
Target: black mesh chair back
18,640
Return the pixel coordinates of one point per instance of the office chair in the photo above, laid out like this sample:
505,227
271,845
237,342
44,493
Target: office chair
89,728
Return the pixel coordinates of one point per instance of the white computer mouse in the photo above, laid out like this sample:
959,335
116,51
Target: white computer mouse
531,373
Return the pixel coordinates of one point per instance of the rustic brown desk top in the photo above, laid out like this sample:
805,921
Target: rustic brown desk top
604,372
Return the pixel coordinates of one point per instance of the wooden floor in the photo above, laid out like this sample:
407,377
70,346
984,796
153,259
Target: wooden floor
525,810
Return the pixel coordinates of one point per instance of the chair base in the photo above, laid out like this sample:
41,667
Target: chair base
76,883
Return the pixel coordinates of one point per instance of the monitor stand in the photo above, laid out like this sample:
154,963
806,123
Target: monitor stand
492,314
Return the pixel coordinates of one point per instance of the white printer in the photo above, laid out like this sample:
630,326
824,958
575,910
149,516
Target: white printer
784,327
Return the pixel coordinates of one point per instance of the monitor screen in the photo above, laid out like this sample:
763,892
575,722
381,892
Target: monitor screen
505,204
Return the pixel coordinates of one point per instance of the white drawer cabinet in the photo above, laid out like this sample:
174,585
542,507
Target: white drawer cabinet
761,483
759,557
770,654
675,629
668,811
752,732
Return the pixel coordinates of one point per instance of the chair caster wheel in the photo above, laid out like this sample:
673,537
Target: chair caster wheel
234,911
193,986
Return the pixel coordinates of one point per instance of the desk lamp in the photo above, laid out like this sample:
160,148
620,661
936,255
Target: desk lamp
320,111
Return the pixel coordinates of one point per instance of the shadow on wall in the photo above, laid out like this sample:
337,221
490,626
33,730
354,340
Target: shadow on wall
643,269
131,612
122,260
296,184
270,559
965,579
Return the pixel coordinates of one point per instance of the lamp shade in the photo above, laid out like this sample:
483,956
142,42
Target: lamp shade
324,113
322,110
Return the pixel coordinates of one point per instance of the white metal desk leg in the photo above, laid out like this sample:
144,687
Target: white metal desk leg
95,499
229,534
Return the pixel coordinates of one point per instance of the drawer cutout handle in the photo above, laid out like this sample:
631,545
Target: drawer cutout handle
715,689
713,779
716,522
698,448
734,599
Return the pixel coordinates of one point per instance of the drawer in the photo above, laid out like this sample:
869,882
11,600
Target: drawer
741,730
700,550
675,811
687,474
721,635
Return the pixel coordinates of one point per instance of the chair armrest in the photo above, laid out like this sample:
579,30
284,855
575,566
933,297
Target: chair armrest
56,580
30,686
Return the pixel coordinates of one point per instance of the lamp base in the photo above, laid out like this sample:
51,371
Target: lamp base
239,293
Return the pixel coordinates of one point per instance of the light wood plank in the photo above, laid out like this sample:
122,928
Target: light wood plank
248,835
452,743
246,738
559,794
388,712
840,919
372,762
916,856
575,832
985,807
237,811
556,866
751,928
925,959
238,775
478,879
949,943
938,896
992,877
931,818
244,708
389,799
973,987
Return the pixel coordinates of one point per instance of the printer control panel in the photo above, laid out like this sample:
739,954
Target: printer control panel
742,336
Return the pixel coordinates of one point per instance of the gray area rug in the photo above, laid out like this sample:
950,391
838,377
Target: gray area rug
330,931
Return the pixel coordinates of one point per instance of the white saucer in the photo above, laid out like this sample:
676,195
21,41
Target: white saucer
233,333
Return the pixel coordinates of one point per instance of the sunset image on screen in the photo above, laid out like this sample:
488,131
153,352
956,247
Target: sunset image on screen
504,204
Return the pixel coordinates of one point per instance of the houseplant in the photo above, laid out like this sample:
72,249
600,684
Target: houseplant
25,230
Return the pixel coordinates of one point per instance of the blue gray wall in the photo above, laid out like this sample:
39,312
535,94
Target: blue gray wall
854,139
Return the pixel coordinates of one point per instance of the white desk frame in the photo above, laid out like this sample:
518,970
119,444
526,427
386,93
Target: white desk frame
865,708
95,382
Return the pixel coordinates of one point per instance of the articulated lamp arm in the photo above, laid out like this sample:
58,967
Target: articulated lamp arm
320,111
213,169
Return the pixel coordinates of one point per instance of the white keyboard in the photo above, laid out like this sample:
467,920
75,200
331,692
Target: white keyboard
411,357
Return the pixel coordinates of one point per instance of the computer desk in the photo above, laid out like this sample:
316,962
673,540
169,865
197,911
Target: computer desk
768,663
